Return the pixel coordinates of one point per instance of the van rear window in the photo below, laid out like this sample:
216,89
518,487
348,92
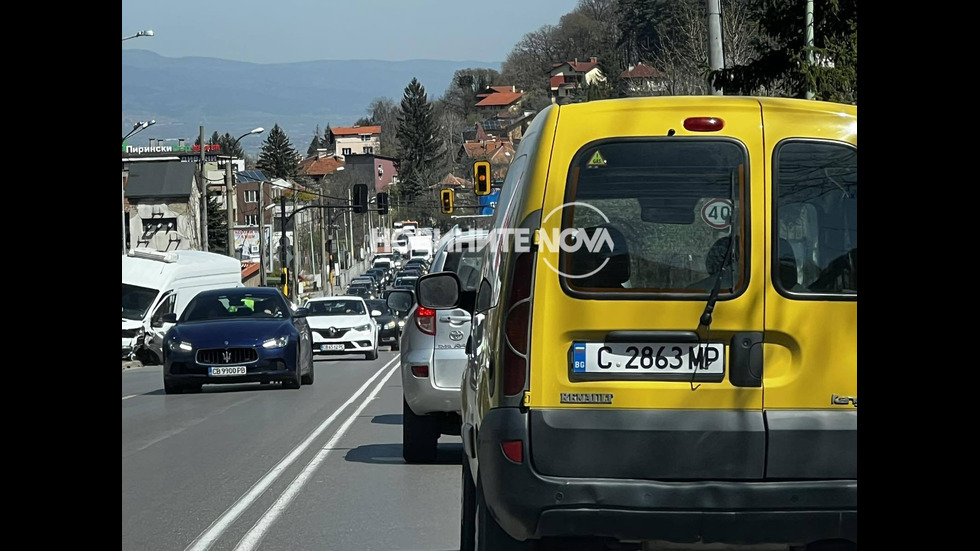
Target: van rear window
655,216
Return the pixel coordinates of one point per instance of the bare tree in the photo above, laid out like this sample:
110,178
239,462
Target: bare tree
384,112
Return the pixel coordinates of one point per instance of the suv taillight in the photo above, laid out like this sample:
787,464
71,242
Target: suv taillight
425,319
516,325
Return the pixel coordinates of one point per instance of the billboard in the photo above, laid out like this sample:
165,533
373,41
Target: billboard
247,243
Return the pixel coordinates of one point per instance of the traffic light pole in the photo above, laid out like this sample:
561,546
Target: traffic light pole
284,241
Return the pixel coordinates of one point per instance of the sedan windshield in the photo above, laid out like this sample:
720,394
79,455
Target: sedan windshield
235,305
336,308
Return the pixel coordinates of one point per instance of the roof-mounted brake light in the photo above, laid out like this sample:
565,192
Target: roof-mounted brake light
704,124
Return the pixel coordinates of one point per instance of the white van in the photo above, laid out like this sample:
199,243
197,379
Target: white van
420,247
155,283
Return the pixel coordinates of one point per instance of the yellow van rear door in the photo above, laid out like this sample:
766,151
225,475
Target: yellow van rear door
651,191
810,348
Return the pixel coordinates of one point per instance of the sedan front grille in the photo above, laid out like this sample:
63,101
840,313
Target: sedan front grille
338,332
225,356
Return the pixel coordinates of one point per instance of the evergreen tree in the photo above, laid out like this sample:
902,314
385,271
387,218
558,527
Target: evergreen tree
229,147
420,150
328,137
278,158
781,68
315,144
217,225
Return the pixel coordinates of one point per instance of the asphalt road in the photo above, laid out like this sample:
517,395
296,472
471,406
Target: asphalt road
263,467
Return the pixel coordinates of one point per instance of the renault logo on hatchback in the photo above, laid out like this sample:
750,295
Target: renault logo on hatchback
456,335
332,331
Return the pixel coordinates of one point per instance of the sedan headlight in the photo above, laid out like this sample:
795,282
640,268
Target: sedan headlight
364,327
390,325
277,342
183,345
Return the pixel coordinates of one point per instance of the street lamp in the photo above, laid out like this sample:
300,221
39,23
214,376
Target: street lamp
142,125
147,32
229,192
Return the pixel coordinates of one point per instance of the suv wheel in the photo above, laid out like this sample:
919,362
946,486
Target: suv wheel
420,436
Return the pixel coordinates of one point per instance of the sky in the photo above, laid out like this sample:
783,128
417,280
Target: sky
285,31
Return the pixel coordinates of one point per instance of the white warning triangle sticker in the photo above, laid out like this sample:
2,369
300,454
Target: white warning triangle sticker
597,159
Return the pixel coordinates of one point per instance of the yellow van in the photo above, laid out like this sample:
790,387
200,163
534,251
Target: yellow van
664,341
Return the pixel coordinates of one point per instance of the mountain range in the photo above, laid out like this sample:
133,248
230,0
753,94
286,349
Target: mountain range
182,94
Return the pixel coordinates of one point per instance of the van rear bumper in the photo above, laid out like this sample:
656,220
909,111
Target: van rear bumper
528,504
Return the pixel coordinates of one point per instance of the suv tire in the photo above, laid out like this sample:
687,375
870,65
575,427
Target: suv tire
420,436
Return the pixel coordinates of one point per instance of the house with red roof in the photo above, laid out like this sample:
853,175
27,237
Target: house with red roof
643,80
320,166
499,99
356,140
570,76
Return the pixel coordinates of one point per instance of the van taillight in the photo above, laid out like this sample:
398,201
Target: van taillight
516,325
704,124
425,319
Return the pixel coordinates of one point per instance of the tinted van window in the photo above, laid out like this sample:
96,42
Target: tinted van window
816,218
655,216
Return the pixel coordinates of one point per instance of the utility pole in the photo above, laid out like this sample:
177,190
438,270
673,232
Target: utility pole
283,243
204,196
716,60
808,27
294,280
263,276
324,248
229,193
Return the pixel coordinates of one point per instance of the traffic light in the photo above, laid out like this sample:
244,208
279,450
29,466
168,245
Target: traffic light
382,203
447,201
359,198
481,177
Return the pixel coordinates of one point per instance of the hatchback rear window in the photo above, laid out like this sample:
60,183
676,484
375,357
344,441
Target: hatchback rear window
655,216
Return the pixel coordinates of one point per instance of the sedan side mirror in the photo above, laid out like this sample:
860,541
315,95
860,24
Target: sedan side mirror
169,317
375,313
301,312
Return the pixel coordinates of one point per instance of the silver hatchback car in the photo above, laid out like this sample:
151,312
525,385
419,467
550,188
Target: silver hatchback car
433,352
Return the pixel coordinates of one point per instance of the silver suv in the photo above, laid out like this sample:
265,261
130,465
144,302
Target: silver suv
433,352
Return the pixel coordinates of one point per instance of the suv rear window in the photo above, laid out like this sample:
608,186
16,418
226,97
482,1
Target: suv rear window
659,216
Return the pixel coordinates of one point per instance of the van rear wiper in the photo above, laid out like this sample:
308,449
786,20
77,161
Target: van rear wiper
709,307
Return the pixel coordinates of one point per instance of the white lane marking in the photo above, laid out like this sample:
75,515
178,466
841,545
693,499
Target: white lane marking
218,527
254,536
130,396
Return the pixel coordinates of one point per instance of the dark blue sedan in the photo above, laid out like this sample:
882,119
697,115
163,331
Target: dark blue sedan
237,335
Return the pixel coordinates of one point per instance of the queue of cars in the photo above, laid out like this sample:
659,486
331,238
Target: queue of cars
668,355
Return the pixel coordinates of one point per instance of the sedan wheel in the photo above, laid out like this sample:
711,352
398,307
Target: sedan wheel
296,380
308,378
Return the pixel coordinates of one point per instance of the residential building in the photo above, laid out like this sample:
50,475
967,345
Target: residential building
356,140
319,166
497,99
643,80
165,206
569,77
379,168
